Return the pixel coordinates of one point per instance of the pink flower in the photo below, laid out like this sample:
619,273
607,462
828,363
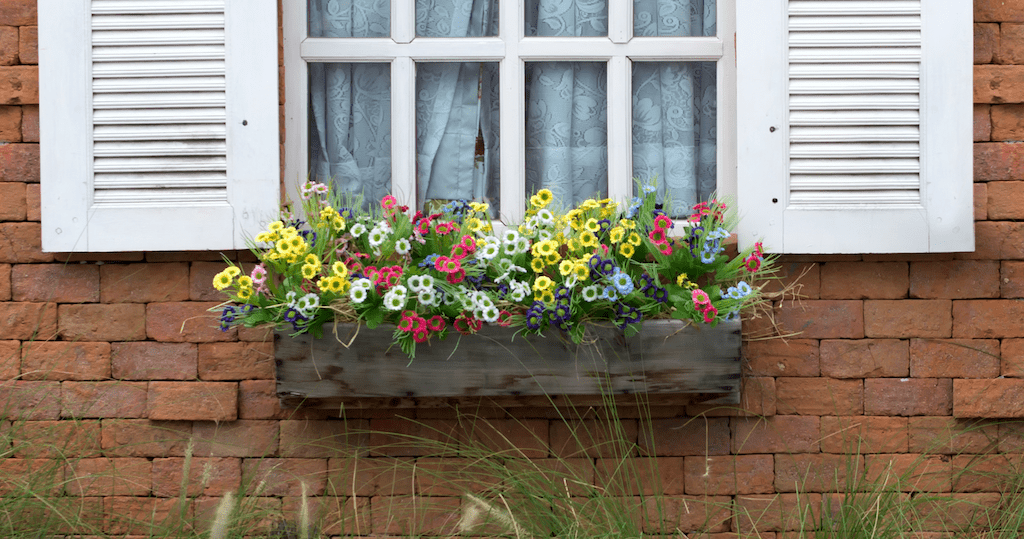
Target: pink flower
436,323
753,263
388,202
700,297
259,274
665,248
662,222
709,314
420,335
405,324
657,235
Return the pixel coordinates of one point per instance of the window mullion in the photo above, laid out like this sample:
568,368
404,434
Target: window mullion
512,115
403,130
620,20
403,20
620,172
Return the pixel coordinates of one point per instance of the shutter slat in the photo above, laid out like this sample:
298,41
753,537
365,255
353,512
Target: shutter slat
871,133
845,199
154,54
853,117
869,7
854,150
159,132
193,21
161,180
141,84
128,165
852,182
855,71
159,197
853,86
854,55
161,148
855,39
854,166
855,102
118,7
209,68
159,101
159,116
125,38
855,23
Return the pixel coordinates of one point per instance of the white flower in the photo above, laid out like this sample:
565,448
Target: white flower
400,290
357,230
402,246
428,282
545,217
487,314
591,293
489,251
377,237
544,234
415,283
357,293
291,298
522,246
510,236
307,304
427,297
393,301
363,283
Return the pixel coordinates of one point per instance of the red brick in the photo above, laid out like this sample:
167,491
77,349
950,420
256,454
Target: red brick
124,516
206,476
405,437
104,399
908,396
28,321
236,361
323,439
955,358
200,281
1011,436
337,516
820,396
823,319
803,278
864,434
1011,279
816,473
901,319
955,279
759,515
995,240
261,514
757,398
592,438
1007,122
977,473
12,201
946,435
1001,397
998,11
153,361
256,334
8,45
668,516
998,161
5,282
61,283
193,401
284,477
143,283
18,12
242,438
778,434
998,84
145,438
988,318
257,399
23,478
109,477
372,476
980,201
910,472
10,360
10,124
867,358
729,475
19,162
55,360
409,516
32,202
28,45
1006,200
512,437
986,42
56,439
100,322
185,322
19,85
21,242
1012,358
779,357
30,123
862,280
634,476
982,123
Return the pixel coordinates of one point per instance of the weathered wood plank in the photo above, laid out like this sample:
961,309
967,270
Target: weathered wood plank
665,357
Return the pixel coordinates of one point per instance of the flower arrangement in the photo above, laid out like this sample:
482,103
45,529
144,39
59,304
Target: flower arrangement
433,273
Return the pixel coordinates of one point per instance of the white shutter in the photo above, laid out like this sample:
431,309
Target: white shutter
158,123
855,125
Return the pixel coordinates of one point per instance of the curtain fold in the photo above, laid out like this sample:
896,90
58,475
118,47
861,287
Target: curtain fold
674,105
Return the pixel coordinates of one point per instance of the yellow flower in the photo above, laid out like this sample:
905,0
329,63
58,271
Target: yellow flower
338,285
283,246
626,250
479,207
616,234
297,244
276,226
338,223
245,293
681,279
628,224
552,258
474,224
566,267
233,271
588,239
545,196
582,271
324,284
537,265
543,283
574,245
245,281
264,237
589,204
309,271
312,259
546,247
634,239
546,296
592,225
339,269
222,280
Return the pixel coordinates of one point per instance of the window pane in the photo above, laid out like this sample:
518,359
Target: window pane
567,129
457,132
456,18
349,18
674,18
674,130
350,127
574,18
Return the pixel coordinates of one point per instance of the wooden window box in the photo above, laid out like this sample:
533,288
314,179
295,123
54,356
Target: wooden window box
665,357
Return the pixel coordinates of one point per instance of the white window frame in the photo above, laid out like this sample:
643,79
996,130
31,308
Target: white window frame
512,49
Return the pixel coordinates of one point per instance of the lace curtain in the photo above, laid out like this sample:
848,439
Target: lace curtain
566,124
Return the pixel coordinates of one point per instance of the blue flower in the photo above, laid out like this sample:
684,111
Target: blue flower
622,282
534,319
660,294
428,262
610,293
743,289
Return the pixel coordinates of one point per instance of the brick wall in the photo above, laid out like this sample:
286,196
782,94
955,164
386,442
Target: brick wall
114,358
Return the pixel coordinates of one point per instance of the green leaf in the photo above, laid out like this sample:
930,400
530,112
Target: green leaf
374,317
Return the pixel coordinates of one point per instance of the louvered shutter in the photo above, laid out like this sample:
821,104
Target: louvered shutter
158,123
854,121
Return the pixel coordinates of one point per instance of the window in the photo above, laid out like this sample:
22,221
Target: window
840,126
494,99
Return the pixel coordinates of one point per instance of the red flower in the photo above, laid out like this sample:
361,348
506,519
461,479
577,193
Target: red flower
420,335
435,323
